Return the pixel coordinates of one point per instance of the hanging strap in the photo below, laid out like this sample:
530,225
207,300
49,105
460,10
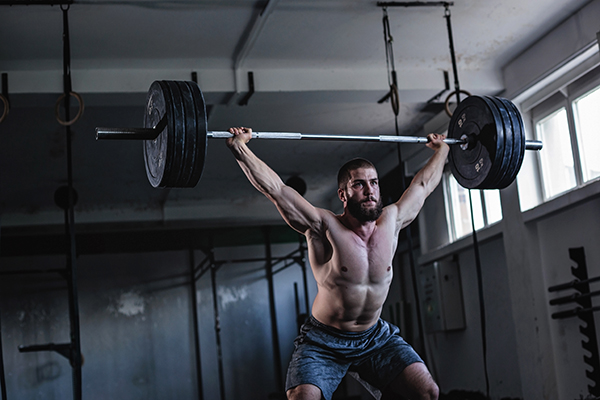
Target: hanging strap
481,297
452,53
391,68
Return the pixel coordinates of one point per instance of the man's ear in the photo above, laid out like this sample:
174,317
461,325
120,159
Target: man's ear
342,194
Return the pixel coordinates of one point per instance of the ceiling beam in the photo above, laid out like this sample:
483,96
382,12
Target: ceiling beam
216,83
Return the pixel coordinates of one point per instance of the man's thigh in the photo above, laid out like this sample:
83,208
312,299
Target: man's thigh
313,366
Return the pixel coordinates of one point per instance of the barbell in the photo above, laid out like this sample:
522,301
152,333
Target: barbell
487,135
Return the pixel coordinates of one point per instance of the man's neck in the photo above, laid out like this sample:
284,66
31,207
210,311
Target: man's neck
360,228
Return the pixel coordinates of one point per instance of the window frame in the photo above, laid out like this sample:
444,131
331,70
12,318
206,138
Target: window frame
449,206
564,97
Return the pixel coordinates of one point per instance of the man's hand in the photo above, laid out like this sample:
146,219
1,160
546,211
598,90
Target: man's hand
240,135
436,141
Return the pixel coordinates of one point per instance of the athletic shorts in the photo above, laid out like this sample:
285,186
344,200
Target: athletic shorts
323,355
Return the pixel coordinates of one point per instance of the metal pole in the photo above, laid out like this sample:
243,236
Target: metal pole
196,327
2,376
304,276
273,313
70,225
213,281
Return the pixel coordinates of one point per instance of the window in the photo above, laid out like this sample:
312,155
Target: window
587,121
567,123
557,158
486,208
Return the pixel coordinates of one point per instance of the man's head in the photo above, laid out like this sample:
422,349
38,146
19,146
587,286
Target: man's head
358,188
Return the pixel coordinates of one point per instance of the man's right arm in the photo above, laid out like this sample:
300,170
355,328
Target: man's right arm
295,209
423,183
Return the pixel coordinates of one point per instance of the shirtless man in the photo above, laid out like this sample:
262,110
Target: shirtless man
350,256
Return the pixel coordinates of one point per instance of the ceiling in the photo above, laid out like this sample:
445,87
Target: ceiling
318,67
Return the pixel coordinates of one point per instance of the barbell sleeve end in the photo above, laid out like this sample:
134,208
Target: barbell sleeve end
533,145
132,133
127,133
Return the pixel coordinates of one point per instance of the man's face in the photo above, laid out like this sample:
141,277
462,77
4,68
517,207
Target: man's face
362,195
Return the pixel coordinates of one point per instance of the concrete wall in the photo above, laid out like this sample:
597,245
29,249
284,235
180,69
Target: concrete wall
557,234
137,328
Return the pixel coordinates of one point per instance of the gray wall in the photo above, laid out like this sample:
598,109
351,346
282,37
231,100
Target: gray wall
137,328
530,355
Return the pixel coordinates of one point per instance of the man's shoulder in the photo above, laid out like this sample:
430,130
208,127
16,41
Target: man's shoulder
390,212
325,219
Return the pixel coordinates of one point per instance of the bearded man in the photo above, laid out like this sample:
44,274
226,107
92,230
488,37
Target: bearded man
351,259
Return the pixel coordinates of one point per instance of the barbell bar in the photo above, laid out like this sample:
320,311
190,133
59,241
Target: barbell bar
104,133
486,133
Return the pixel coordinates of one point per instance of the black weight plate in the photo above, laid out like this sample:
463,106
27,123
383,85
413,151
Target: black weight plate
518,143
504,158
170,159
156,152
171,136
507,169
201,133
474,118
172,92
191,136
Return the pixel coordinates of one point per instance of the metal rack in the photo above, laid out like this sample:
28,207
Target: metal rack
272,265
584,311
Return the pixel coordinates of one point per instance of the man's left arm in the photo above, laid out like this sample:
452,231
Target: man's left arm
424,182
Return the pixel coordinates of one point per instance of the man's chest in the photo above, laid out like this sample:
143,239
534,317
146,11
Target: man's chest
364,261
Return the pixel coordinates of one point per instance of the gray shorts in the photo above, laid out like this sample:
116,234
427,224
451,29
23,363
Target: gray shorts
323,355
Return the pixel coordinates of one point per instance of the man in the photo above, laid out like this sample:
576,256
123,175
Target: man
351,259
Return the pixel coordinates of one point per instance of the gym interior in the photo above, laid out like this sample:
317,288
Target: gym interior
113,288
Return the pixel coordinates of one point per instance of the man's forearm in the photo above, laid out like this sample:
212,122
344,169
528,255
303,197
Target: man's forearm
431,174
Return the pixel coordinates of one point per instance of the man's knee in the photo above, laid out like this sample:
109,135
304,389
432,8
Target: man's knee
304,392
426,387
423,392
415,382
431,391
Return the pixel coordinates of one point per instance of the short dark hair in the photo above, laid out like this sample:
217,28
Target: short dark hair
355,163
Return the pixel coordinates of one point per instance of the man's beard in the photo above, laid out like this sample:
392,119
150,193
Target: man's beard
363,214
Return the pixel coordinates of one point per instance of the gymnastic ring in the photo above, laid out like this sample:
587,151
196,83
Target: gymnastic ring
447,103
6,107
79,113
395,99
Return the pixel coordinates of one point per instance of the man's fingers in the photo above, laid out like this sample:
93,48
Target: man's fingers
239,130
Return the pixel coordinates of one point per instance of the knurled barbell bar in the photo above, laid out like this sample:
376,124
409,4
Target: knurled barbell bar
487,133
